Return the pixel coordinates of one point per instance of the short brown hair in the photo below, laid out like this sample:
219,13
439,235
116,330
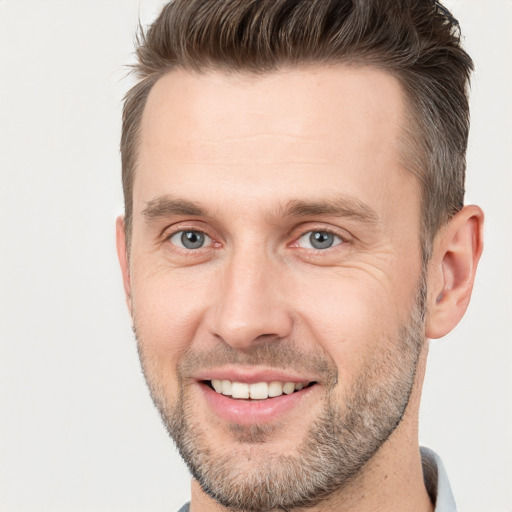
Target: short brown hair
418,41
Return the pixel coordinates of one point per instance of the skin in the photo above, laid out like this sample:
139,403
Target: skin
243,149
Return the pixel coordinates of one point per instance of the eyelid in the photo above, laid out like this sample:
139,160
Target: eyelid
308,234
310,227
207,239
181,227
301,231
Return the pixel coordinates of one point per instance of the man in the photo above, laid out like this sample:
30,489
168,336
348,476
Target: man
294,233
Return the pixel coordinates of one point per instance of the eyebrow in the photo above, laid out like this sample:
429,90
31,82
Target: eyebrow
167,206
340,206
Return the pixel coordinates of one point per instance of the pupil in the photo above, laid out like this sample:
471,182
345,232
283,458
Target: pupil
192,239
321,239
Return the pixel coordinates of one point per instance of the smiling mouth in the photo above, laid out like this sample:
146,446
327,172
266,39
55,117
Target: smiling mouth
257,390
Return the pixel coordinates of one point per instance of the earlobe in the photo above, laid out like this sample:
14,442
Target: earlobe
122,255
456,252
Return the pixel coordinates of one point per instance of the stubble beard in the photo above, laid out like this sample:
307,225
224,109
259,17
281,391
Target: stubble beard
336,447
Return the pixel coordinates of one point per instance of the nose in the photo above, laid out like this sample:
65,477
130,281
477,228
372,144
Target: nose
250,305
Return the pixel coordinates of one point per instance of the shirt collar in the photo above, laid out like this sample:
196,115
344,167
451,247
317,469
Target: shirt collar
436,481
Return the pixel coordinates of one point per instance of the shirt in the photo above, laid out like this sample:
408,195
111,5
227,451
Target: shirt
436,482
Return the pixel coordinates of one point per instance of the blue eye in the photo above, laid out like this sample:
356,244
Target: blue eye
190,239
319,240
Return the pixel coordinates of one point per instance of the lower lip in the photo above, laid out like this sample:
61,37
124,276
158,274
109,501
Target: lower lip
249,412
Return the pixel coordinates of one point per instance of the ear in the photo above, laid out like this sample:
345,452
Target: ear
456,251
122,255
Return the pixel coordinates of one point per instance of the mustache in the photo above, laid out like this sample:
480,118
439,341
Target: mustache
273,354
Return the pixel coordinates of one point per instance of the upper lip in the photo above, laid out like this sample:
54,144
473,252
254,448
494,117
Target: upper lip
252,375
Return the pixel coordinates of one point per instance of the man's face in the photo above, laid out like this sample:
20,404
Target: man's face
276,247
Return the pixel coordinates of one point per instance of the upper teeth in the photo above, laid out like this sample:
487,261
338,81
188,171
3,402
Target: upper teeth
256,391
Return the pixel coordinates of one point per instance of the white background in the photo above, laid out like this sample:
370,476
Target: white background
78,431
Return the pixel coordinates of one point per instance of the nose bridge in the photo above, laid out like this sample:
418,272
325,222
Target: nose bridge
250,305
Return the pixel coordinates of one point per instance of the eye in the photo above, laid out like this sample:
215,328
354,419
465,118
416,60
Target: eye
319,240
190,239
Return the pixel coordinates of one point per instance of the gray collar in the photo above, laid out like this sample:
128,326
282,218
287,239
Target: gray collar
436,481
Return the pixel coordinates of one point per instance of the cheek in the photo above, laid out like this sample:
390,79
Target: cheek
168,307
353,319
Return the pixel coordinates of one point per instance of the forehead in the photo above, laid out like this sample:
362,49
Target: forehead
295,132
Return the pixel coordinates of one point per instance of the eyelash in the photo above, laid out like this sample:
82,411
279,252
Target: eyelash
343,239
167,238
331,232
183,231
